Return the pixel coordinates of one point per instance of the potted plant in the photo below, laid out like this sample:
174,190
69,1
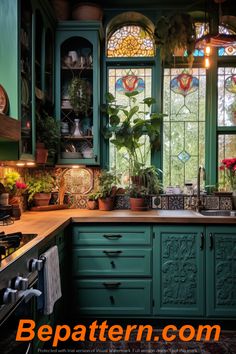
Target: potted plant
174,33
87,10
15,187
127,124
47,136
40,187
92,202
137,197
107,190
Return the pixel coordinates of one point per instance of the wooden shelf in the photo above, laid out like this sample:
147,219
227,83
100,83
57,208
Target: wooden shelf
70,137
10,128
74,68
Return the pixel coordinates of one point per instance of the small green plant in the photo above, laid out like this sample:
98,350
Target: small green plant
150,178
10,181
39,183
107,184
47,132
93,196
137,191
79,96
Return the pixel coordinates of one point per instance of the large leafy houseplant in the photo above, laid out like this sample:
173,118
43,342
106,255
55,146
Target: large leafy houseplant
128,123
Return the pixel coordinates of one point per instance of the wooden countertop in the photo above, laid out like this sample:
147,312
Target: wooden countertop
49,223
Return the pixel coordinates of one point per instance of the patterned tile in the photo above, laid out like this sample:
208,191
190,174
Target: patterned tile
164,202
121,202
176,202
226,203
212,202
156,202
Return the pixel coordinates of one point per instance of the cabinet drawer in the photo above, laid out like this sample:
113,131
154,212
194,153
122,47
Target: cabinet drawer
112,297
111,235
111,262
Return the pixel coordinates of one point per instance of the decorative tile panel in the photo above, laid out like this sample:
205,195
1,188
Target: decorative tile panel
176,202
226,203
212,202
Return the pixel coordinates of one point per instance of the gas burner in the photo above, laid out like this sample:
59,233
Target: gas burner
9,243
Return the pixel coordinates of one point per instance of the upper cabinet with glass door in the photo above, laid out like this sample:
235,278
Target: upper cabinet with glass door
78,91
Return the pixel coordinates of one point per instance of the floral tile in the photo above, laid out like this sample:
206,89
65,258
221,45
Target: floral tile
122,202
226,203
212,202
176,202
164,202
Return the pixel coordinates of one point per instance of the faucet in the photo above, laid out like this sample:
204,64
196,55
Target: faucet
199,204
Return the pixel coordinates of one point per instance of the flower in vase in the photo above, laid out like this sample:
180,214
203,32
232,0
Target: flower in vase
229,168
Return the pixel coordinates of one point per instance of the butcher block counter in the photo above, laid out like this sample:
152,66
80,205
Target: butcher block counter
49,223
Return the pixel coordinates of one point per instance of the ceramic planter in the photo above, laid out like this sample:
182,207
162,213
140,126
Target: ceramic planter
92,204
87,11
137,204
62,9
41,153
42,199
105,204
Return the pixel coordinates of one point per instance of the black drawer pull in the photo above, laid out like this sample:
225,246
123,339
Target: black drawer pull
202,241
112,253
112,237
112,300
211,241
112,285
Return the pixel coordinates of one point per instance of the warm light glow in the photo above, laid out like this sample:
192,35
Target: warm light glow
207,50
30,163
207,63
75,166
20,164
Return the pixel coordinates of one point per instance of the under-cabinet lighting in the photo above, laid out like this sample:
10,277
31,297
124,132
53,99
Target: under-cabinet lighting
207,62
20,164
30,163
70,166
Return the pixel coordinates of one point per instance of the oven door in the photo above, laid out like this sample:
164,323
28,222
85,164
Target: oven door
9,325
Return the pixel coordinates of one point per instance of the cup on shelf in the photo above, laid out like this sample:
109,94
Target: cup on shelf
74,57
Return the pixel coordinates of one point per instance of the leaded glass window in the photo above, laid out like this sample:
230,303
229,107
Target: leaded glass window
130,41
231,49
226,149
129,80
184,125
227,96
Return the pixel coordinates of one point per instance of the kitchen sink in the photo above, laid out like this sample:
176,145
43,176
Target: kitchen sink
218,213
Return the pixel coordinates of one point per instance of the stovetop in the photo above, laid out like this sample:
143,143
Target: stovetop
9,243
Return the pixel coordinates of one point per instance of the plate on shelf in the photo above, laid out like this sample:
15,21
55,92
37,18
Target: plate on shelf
3,100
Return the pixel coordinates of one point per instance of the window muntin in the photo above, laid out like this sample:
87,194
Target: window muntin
184,125
130,41
117,85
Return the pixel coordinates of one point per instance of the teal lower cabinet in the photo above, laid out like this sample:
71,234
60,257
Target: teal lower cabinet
178,271
112,270
113,297
221,271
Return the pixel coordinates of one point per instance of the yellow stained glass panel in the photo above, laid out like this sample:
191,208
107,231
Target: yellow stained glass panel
130,41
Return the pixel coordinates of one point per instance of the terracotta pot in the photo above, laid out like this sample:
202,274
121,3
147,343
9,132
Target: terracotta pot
41,153
92,204
105,204
17,201
42,199
62,9
137,204
16,212
87,11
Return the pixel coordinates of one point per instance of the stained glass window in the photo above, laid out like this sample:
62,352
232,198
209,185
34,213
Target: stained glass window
227,96
184,125
121,80
130,41
231,49
226,149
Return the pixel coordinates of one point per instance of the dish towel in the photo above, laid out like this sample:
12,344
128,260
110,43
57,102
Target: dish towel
52,281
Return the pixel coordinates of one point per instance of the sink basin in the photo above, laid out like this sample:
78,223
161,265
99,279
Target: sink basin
218,213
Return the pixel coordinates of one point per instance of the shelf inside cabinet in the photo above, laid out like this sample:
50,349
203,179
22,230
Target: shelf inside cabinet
84,137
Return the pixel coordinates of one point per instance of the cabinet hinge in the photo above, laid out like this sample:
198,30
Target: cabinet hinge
153,303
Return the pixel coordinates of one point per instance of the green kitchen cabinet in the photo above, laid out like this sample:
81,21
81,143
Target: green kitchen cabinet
24,59
221,271
178,271
111,270
78,91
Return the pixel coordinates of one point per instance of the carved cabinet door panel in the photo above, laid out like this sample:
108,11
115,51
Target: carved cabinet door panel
221,271
178,274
